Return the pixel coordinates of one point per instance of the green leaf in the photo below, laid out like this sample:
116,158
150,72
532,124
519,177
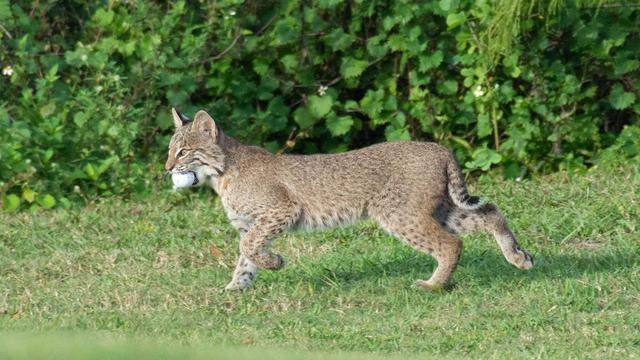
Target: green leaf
511,170
449,87
65,203
278,107
106,164
276,123
260,66
371,103
483,158
338,40
448,5
352,68
398,42
303,117
46,201
46,156
339,125
10,202
91,172
455,20
319,106
623,66
277,112
48,109
393,134
351,105
52,74
620,99
29,195
80,118
5,10
377,47
290,62
430,62
104,18
328,4
484,125
127,48
286,31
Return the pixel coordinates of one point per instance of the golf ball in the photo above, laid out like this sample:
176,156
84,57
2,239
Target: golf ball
181,180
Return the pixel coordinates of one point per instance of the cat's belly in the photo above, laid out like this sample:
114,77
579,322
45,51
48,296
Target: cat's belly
315,219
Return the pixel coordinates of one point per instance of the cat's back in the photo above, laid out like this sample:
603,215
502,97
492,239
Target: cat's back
363,170
387,154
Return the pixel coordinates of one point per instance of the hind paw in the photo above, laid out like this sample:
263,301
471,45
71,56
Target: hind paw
429,286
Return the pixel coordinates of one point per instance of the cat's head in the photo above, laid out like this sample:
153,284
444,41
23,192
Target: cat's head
196,147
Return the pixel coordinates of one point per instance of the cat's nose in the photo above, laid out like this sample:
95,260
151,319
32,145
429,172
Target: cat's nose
169,165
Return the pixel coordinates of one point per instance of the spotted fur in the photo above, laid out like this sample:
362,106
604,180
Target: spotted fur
414,190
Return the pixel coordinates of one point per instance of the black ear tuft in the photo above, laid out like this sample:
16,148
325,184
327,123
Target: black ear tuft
184,118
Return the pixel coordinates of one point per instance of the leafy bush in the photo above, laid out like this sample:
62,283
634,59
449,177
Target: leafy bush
87,86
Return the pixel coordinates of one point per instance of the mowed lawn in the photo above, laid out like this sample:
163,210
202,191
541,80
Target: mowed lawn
153,271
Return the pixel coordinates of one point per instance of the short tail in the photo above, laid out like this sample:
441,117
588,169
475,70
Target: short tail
458,189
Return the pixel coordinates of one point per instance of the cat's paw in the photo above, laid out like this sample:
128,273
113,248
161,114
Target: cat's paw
525,260
277,263
236,285
429,286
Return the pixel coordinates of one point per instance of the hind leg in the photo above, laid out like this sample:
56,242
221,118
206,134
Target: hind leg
489,218
424,234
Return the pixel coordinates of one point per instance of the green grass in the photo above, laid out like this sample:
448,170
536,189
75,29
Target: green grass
154,272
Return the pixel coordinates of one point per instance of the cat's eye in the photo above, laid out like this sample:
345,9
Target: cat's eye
181,153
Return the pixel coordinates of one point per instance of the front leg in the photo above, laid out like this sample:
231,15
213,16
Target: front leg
258,224
246,271
243,275
254,253
254,245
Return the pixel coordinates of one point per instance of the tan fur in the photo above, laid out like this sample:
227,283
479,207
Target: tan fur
414,190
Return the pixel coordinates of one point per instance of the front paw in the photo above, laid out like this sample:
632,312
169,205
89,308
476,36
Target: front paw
236,285
525,260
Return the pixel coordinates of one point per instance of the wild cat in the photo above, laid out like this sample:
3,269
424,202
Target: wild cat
414,190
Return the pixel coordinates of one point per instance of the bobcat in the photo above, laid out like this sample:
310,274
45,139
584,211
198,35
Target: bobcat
414,190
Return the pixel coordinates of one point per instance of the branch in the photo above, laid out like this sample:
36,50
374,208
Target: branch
264,28
4,30
225,51
566,114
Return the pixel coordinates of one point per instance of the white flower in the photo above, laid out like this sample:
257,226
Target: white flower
322,90
7,70
477,92
232,13
84,57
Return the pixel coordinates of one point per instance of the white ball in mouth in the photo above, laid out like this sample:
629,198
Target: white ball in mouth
182,180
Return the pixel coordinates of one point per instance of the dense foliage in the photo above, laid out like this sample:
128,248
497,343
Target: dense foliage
86,87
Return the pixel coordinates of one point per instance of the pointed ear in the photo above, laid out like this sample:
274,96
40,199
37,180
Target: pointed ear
203,123
178,118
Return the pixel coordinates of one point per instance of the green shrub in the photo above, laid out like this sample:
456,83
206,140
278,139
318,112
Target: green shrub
84,102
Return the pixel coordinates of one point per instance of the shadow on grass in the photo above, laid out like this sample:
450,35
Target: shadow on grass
484,267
